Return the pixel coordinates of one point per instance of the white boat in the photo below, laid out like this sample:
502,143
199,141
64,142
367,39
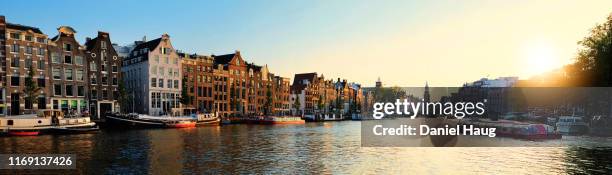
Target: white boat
571,125
44,120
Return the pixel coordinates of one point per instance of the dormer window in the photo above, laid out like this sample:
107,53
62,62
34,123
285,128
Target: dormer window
67,47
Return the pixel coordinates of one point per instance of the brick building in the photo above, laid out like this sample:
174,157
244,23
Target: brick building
104,74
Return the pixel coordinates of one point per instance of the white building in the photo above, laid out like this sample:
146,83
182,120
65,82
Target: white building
152,73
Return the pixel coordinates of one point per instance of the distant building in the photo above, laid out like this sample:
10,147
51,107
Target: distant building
152,74
378,83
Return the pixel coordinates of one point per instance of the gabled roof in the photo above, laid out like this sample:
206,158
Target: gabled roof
255,68
23,27
224,59
151,45
298,80
91,43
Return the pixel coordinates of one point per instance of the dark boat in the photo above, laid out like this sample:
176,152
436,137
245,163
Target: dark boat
78,130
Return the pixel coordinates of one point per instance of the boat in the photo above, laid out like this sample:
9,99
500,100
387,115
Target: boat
516,129
23,133
572,125
148,121
43,121
78,130
202,119
323,117
272,120
180,124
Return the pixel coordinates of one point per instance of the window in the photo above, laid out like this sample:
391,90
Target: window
169,71
104,94
57,89
69,90
115,68
55,57
42,103
104,80
28,62
67,59
80,91
28,104
115,81
103,44
80,75
57,73
29,49
68,74
161,83
67,47
15,80
169,83
41,64
176,84
166,60
41,82
153,82
15,36
94,94
93,80
14,48
41,51
15,62
29,38
40,40
156,58
78,60
92,66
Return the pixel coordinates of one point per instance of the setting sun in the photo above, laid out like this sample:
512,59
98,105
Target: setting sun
540,56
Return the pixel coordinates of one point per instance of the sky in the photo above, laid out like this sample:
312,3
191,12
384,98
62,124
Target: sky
405,43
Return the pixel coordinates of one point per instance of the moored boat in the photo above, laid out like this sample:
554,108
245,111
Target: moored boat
148,121
23,133
276,120
571,125
42,122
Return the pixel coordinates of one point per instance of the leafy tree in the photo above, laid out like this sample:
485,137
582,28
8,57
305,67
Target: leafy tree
593,66
186,99
296,104
31,89
123,96
268,103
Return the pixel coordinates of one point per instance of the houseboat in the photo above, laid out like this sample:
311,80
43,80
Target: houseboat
572,125
45,121
148,121
271,120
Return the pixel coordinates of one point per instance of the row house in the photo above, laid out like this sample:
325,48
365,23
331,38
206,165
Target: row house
304,93
281,94
198,80
230,86
104,74
22,49
152,76
68,72
312,94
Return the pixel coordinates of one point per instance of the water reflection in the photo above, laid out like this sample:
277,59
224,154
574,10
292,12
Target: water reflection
289,149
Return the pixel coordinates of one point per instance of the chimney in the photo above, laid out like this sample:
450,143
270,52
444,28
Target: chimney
2,21
144,39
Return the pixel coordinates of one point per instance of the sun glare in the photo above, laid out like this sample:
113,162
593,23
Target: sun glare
540,57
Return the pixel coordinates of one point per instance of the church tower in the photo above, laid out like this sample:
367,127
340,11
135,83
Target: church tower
426,96
378,83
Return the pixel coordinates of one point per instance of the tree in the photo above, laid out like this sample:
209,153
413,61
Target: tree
122,96
296,104
31,89
186,99
268,103
593,66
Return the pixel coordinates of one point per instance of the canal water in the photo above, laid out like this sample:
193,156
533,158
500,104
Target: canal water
331,147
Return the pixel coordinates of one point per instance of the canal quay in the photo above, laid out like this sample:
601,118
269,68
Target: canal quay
314,147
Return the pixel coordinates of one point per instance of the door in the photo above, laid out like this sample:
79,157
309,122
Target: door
15,104
104,108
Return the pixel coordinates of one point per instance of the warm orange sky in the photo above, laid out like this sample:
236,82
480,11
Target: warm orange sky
455,43
405,42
